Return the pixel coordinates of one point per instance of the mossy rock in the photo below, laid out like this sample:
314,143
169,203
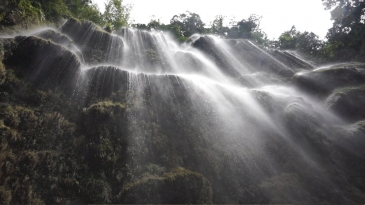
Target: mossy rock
5,195
103,81
180,186
104,126
348,103
55,36
98,191
306,125
2,67
96,45
2,73
321,82
42,63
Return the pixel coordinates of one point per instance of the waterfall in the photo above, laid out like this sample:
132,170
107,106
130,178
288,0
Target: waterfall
262,126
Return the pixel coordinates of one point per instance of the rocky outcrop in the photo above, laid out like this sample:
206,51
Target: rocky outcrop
96,45
291,61
240,54
348,103
42,62
322,81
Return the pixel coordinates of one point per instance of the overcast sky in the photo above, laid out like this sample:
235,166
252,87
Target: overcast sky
277,15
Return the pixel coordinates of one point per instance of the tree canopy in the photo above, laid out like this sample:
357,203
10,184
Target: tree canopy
116,14
189,23
346,37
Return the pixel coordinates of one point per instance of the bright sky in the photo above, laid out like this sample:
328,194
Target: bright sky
277,15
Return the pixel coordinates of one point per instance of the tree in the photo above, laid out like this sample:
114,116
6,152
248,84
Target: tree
288,39
217,26
346,39
189,23
116,14
245,28
91,13
307,42
36,11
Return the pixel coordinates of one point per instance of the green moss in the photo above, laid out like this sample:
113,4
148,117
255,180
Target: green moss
179,186
98,191
5,195
2,73
105,106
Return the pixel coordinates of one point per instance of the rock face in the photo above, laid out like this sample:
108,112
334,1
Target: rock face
248,54
348,102
290,60
42,62
321,82
97,45
340,86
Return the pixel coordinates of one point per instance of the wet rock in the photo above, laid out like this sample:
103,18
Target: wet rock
2,67
42,62
348,103
352,137
102,81
305,125
207,45
291,60
97,45
104,125
55,36
321,82
61,39
260,79
258,58
240,53
147,51
178,187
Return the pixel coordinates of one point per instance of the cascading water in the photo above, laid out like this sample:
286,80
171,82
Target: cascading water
226,109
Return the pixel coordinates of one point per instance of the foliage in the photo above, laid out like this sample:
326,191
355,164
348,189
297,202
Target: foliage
189,23
41,11
116,14
217,26
306,42
288,40
346,37
245,28
173,29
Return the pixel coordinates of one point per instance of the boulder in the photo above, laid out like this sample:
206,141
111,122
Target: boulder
321,82
96,45
55,36
42,62
348,103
